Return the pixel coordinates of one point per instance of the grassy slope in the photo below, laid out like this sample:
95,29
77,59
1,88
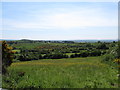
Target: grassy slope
62,73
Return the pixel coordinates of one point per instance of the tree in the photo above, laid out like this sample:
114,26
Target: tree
102,46
118,51
7,56
0,57
84,54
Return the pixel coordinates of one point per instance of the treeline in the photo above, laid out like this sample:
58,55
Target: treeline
88,54
36,41
27,55
27,50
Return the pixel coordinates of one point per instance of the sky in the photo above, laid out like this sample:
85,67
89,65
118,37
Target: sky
59,20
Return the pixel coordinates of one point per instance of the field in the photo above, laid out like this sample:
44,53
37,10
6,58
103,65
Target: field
60,64
86,72
0,80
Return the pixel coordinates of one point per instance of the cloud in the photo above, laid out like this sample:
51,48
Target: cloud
72,20
63,18
19,25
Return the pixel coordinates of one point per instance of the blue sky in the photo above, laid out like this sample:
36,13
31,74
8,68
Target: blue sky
60,20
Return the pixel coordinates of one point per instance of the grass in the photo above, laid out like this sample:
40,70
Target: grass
0,80
69,54
16,50
61,73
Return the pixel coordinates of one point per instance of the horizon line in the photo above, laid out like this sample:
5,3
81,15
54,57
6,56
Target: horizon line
58,39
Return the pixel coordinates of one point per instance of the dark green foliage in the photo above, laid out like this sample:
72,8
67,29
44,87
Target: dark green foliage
108,57
75,55
7,56
55,56
99,41
118,50
40,56
84,54
102,46
72,56
111,55
95,53
27,55
87,53
35,50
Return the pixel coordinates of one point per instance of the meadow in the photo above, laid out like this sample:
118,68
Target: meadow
86,72
62,64
0,80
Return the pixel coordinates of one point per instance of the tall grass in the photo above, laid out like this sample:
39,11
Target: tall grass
61,73
0,80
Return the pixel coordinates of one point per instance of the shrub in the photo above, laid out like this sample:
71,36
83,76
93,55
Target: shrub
102,46
72,56
84,54
95,53
118,50
7,56
108,57
55,56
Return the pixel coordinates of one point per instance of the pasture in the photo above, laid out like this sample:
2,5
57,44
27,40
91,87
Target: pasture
86,72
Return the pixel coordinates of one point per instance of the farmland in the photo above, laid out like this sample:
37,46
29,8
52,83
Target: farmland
62,73
54,64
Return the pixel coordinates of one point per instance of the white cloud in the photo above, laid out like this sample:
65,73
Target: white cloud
71,19
19,25
83,18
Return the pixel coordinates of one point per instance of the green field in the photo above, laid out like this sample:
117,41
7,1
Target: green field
86,72
0,81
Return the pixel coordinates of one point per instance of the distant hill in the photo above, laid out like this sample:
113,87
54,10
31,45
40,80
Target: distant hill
61,40
94,40
7,40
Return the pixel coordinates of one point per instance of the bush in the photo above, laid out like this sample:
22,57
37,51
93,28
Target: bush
108,58
102,46
72,56
55,56
118,50
29,56
95,53
7,56
111,55
84,54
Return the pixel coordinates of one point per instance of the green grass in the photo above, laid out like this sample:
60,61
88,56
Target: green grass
69,54
61,73
16,50
0,81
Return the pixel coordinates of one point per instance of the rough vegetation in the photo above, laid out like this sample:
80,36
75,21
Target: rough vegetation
63,64
61,73
7,56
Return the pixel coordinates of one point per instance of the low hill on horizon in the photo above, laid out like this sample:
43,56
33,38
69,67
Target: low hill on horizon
90,40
